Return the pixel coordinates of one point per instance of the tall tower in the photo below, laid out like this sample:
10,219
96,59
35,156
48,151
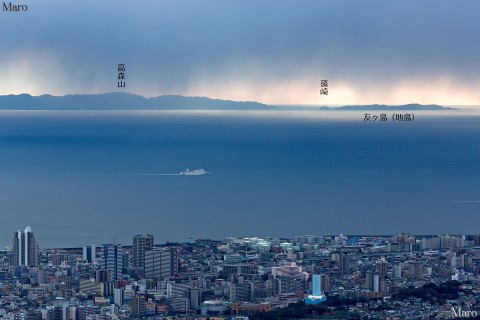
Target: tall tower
316,285
25,249
317,295
344,263
111,260
141,244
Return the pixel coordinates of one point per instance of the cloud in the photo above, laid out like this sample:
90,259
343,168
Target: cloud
270,51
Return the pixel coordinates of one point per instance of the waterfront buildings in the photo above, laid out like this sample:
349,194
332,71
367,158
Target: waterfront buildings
361,277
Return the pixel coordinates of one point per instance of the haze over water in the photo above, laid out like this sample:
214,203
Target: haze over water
72,175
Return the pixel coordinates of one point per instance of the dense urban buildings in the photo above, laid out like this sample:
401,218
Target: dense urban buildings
335,277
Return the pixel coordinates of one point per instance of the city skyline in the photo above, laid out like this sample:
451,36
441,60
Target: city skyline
402,275
140,243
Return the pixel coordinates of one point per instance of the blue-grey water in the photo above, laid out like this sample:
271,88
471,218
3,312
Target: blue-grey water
71,175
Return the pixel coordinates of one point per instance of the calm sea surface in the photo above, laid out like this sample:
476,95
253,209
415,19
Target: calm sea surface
88,177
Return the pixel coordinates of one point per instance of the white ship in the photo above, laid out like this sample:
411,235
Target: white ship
197,172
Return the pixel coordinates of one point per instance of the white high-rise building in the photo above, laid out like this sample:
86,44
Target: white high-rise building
89,253
25,249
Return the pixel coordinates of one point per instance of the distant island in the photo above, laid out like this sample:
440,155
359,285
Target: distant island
410,106
122,101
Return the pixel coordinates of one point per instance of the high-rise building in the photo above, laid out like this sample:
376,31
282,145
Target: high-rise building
369,280
242,291
418,271
25,249
89,253
376,282
476,240
118,296
450,242
431,243
317,295
344,263
316,284
141,244
397,270
137,305
160,263
381,267
325,283
125,261
85,312
111,259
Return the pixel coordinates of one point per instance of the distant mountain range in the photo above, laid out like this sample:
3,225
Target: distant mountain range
128,101
122,101
411,106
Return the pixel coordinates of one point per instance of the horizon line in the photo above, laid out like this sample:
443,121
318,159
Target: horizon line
273,238
230,99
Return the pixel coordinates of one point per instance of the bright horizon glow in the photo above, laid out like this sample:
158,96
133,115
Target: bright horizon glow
443,91
352,96
241,51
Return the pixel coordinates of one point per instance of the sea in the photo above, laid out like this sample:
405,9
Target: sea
94,177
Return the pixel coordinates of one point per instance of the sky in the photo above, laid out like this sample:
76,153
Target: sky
275,52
